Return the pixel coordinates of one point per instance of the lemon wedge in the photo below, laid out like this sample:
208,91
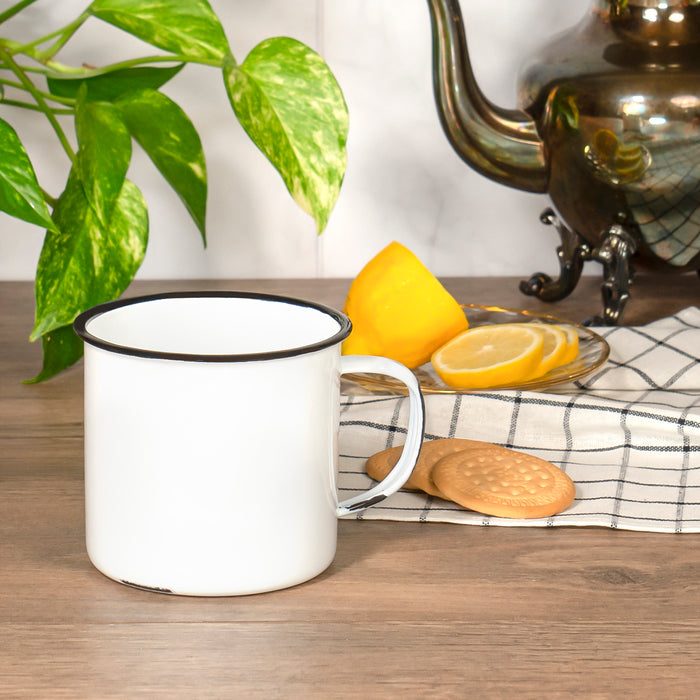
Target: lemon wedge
399,309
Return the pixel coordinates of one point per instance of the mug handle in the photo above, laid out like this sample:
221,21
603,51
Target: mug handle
398,476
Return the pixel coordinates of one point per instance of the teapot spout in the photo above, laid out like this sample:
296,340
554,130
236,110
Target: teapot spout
501,144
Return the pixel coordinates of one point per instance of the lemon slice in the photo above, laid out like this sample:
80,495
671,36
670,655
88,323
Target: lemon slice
571,352
489,356
605,143
553,349
399,309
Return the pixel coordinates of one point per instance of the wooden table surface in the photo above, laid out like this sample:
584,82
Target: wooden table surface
406,610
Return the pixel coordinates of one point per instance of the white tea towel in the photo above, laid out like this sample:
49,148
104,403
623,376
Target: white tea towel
628,436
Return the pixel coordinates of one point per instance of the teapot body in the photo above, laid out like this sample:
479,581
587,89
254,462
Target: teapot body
616,103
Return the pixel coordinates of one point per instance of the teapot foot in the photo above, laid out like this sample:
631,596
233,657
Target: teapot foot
614,253
572,253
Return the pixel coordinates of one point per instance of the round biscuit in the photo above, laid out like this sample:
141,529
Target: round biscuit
504,483
381,463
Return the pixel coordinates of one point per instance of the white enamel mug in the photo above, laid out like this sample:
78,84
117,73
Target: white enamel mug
211,440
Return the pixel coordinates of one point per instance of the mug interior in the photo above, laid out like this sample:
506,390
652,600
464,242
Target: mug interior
212,326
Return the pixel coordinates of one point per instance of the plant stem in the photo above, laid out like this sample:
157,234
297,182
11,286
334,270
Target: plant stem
63,70
69,101
26,69
12,11
11,83
63,34
29,105
17,70
51,201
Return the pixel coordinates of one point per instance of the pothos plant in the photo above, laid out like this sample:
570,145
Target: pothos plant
283,94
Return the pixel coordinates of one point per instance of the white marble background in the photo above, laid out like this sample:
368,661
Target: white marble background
403,180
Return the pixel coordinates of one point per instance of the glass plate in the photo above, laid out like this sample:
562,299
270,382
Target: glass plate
593,353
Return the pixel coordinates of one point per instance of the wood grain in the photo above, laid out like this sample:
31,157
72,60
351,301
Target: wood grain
577,658
405,610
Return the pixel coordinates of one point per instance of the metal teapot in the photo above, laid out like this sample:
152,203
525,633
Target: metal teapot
609,127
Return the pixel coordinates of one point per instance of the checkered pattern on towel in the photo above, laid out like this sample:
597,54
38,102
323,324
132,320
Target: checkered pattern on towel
628,436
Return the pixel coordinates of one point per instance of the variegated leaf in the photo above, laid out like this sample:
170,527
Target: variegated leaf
60,348
189,28
291,106
20,194
87,263
104,152
112,85
173,144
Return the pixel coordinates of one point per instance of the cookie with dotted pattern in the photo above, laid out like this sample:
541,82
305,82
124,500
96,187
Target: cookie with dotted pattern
381,463
504,483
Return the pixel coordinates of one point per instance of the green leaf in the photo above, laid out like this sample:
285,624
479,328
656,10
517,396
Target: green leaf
189,28
173,144
87,263
291,106
112,85
20,194
103,155
61,348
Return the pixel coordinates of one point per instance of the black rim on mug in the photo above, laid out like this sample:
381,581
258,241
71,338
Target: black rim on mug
81,322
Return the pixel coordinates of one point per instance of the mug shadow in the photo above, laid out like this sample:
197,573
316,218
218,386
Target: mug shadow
363,540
